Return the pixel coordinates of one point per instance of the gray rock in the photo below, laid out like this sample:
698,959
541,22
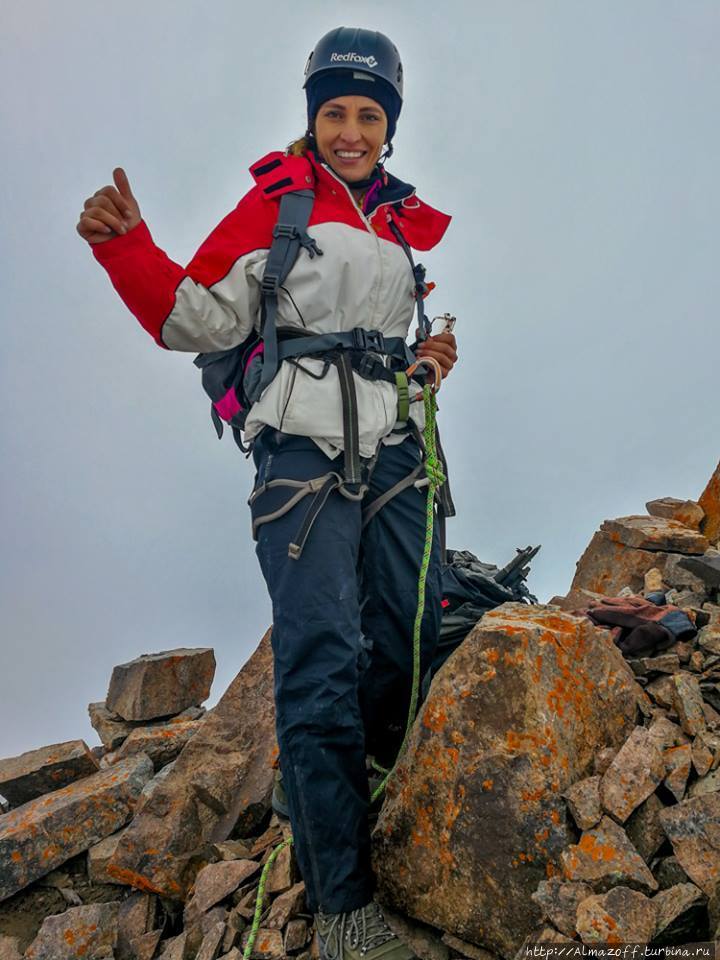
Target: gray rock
687,512
633,775
604,858
583,799
89,932
221,782
644,829
112,729
98,857
38,836
161,684
619,916
215,882
212,942
41,771
668,873
687,701
672,903
678,763
10,948
559,902
693,828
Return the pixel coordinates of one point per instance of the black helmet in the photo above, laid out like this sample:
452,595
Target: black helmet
351,48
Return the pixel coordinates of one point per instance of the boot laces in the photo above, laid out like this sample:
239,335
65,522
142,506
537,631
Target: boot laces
363,929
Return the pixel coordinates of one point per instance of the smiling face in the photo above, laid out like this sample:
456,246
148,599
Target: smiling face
350,134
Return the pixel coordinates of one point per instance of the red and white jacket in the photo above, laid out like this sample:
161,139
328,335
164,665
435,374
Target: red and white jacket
363,279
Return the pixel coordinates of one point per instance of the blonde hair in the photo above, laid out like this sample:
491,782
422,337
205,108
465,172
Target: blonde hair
299,147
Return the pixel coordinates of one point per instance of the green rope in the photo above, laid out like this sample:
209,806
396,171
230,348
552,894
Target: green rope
436,477
261,896
433,469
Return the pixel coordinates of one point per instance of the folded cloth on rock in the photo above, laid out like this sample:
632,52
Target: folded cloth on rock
640,626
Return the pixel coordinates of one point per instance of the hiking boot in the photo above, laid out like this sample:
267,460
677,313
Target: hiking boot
279,800
359,933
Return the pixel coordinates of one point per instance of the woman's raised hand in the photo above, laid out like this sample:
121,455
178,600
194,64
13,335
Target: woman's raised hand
110,211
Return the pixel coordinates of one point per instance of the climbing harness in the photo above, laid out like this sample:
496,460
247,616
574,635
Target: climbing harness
435,478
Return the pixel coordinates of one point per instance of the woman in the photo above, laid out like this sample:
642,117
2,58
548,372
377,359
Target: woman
343,607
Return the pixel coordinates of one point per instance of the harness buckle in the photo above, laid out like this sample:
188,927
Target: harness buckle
369,367
368,340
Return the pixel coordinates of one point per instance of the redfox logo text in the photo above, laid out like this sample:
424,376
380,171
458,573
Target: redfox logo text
353,58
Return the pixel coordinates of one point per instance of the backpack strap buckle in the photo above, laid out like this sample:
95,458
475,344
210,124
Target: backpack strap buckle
286,231
270,284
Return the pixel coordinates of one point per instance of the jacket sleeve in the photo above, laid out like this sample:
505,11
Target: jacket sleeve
213,303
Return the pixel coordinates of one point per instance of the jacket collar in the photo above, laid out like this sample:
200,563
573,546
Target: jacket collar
421,225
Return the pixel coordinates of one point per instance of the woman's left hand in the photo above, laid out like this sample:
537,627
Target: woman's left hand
442,348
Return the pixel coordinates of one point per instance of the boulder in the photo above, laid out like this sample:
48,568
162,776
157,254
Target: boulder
688,703
687,512
655,534
583,800
98,857
624,550
211,943
144,946
136,918
222,781
634,774
604,858
175,948
674,902
89,932
10,948
268,944
559,902
693,828
710,503
215,882
159,684
619,916
112,729
41,771
644,830
678,763
607,566
40,835
473,817
286,906
162,743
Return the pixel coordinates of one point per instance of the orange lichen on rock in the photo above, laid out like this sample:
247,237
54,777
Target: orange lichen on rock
435,716
136,880
596,850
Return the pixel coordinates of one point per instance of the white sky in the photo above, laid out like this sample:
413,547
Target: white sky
576,145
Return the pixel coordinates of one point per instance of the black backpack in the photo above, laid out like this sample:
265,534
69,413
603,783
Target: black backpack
235,378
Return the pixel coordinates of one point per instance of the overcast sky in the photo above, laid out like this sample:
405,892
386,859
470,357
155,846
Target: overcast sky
575,143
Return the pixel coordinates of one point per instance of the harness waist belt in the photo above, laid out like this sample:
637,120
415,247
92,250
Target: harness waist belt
357,339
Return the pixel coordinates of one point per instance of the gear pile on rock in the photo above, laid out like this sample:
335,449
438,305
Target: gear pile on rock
552,789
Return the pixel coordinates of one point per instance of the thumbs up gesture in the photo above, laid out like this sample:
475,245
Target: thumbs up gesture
110,212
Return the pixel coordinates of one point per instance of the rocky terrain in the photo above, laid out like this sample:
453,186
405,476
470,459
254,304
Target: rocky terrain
553,788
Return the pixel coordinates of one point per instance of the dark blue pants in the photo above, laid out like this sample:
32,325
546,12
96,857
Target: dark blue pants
343,618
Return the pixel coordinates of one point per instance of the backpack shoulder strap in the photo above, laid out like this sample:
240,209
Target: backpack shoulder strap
289,235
